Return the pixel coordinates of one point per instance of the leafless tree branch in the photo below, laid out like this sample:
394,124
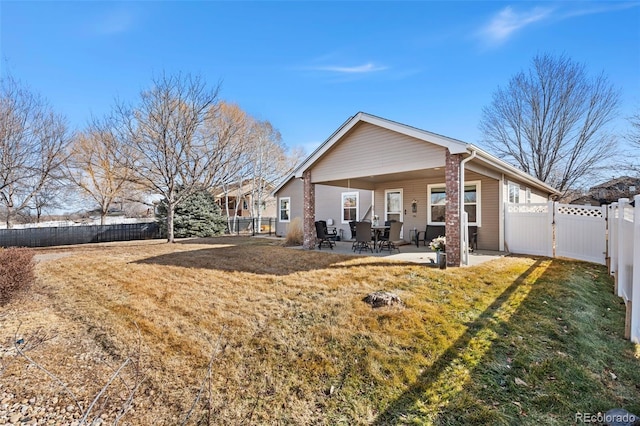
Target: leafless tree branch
552,121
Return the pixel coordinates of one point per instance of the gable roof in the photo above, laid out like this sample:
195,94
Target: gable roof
454,146
616,183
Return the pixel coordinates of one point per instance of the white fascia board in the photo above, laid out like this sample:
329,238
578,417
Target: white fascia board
454,146
282,184
508,169
326,145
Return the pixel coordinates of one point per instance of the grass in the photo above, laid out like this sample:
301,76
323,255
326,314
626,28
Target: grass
514,341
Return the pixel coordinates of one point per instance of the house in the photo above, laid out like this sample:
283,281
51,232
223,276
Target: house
610,191
242,201
337,205
414,176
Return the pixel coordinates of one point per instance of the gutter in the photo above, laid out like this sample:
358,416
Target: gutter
464,248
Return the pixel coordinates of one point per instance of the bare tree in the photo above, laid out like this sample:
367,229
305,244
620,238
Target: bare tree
100,165
163,131
226,134
552,121
269,163
633,136
33,140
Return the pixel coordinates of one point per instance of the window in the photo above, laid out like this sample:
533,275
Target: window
285,209
349,206
437,201
514,192
527,195
437,198
471,203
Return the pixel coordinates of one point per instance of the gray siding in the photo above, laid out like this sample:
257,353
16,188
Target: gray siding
292,189
370,150
488,232
328,205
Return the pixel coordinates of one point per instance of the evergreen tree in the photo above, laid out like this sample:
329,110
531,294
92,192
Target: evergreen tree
197,216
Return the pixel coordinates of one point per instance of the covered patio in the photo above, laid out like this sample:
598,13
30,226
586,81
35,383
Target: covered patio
411,253
413,176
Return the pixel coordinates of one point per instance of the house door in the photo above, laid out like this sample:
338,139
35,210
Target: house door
393,205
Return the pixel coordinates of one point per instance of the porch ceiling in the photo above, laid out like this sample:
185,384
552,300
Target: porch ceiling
372,181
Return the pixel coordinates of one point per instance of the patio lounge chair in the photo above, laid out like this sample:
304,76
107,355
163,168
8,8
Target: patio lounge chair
322,238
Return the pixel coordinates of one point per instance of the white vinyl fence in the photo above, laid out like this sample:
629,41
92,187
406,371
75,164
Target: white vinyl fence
580,231
529,228
584,233
624,253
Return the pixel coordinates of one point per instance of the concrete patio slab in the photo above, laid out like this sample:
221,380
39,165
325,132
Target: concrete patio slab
409,253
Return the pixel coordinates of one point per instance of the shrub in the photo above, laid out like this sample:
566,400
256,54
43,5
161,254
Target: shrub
295,234
197,216
16,272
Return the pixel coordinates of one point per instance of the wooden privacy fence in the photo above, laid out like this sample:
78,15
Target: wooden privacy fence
83,234
624,254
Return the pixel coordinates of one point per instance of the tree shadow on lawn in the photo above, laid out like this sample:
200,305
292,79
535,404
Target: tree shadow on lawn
261,259
554,334
443,380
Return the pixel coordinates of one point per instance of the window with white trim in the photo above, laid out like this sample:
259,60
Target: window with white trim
437,199
527,195
284,213
350,204
513,192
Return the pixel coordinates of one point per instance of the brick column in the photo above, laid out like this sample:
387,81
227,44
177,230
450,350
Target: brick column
452,214
309,212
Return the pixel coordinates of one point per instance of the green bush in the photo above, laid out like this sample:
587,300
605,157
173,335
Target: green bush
196,216
16,272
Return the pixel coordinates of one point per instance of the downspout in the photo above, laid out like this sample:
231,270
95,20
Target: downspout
464,242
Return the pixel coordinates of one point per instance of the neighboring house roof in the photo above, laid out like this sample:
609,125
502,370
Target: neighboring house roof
453,145
622,182
244,190
614,189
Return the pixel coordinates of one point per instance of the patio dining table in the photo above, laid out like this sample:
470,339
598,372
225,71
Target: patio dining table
376,230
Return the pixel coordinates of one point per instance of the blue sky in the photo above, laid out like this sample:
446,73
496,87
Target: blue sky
308,66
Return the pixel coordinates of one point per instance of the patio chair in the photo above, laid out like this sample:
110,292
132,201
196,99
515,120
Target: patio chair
473,238
352,227
435,231
363,237
331,233
430,232
321,236
392,235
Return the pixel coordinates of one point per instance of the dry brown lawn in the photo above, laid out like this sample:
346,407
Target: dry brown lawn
244,331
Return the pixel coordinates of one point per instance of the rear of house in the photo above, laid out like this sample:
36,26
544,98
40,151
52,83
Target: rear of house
402,173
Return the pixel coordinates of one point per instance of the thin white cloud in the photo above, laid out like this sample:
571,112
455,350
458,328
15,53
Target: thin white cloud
507,22
593,9
358,69
114,22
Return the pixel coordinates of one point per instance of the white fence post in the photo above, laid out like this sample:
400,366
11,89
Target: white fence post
612,223
621,270
635,289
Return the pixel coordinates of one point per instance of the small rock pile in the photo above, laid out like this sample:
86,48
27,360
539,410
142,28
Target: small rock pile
379,299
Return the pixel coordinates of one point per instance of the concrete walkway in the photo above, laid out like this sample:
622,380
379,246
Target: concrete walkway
410,253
